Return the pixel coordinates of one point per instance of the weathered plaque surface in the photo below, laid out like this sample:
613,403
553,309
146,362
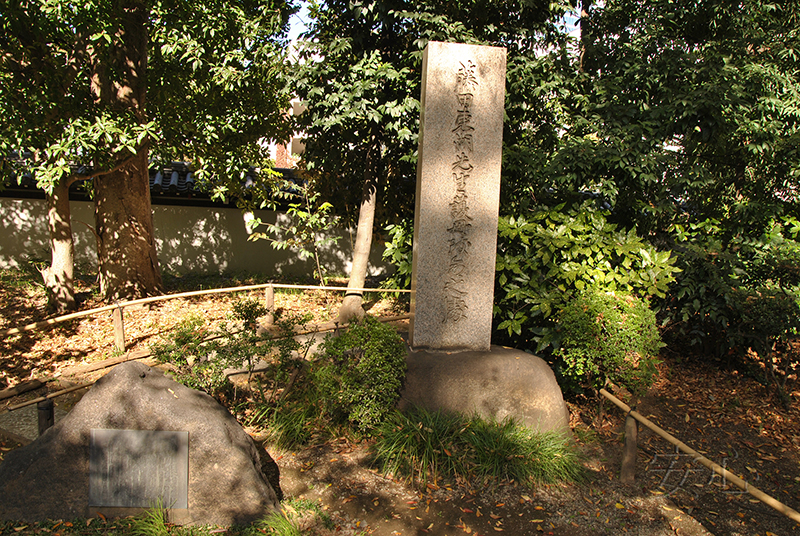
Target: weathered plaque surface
458,193
136,468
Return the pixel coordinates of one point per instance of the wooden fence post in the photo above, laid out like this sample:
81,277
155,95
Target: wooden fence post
47,415
269,298
119,330
628,472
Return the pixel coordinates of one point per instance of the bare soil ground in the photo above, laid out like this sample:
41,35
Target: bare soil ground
723,411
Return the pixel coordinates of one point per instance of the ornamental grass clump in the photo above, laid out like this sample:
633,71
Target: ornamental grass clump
607,336
152,522
295,518
423,445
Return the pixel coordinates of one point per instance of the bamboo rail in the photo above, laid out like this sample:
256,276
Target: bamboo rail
724,473
142,301
21,388
141,354
49,396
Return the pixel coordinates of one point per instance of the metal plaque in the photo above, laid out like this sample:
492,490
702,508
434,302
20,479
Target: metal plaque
137,468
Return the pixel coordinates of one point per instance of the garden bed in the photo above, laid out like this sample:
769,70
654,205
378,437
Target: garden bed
722,411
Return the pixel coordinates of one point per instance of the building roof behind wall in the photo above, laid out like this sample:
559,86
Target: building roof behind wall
172,185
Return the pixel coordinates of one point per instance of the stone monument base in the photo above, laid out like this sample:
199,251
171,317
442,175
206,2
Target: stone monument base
500,383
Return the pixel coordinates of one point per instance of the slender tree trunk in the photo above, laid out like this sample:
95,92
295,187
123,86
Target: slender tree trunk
58,277
126,251
128,266
351,305
586,38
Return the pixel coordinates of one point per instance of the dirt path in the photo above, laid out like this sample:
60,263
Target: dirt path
339,476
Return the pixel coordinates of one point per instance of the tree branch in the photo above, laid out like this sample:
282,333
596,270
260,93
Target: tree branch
120,164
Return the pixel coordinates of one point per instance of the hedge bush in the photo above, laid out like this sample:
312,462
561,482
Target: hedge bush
553,253
360,372
607,336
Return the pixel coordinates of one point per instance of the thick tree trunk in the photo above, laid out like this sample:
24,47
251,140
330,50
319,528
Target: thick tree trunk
58,277
126,252
126,249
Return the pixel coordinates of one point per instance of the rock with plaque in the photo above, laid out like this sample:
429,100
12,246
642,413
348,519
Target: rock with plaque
137,439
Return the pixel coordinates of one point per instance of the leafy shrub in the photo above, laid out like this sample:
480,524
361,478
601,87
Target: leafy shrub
347,389
424,445
248,311
546,258
399,253
309,229
768,316
195,362
768,320
607,336
199,354
361,372
183,341
706,305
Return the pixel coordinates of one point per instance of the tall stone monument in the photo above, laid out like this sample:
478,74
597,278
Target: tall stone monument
452,366
458,192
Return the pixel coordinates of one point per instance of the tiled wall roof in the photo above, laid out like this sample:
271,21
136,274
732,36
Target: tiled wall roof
175,180
169,185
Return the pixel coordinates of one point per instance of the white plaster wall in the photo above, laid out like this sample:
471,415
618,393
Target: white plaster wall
24,237
188,239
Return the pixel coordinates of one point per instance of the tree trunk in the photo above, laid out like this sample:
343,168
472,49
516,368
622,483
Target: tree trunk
58,277
126,252
586,38
126,249
351,305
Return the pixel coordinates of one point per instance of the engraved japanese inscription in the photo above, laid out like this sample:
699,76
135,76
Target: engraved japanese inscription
136,468
455,287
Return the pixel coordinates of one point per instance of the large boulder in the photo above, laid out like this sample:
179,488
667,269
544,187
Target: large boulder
49,478
498,384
